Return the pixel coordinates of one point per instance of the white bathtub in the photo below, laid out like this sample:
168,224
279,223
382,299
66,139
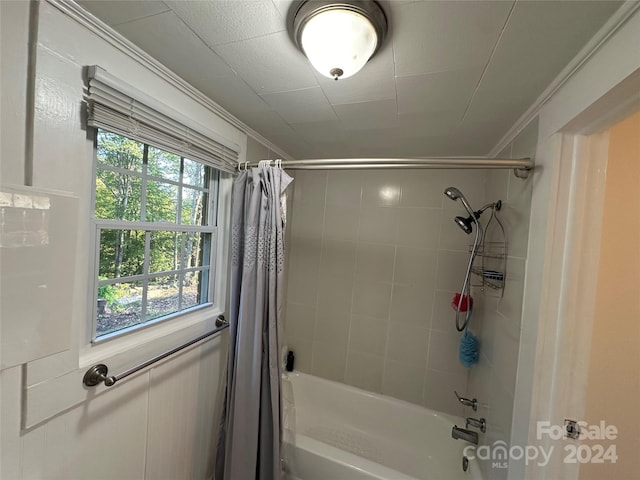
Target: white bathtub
337,432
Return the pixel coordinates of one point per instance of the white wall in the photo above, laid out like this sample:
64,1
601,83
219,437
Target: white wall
158,424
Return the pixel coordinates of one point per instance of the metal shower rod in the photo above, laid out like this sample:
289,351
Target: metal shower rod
521,166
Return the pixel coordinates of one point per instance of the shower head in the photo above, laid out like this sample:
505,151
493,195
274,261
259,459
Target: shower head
464,224
454,194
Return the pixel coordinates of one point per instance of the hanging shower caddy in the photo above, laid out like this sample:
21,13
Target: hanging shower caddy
490,265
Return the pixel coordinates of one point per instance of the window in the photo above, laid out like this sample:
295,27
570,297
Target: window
155,230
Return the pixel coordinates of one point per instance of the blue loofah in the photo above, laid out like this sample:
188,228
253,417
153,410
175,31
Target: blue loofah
468,349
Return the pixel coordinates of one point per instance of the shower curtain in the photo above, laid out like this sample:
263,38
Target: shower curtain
249,440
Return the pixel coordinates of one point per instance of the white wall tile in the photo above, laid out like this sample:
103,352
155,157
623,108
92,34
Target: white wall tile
341,222
378,224
403,381
304,253
443,314
488,336
408,343
515,216
300,321
505,359
364,371
334,293
423,188
452,267
329,361
439,390
302,285
368,335
415,266
382,188
498,184
307,219
372,299
375,262
344,188
499,416
419,227
444,349
332,327
510,305
338,257
310,188
412,304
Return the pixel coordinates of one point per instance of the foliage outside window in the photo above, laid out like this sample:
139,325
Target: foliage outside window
155,226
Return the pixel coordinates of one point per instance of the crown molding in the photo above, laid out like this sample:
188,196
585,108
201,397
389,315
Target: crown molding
109,35
617,20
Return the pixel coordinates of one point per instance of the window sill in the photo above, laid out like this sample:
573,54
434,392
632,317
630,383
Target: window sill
153,337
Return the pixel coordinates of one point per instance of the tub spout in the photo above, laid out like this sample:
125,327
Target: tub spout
464,434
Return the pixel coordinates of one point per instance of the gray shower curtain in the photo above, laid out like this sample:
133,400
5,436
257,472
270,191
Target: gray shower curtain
249,440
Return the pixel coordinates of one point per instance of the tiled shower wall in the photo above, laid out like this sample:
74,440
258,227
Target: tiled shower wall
374,261
498,319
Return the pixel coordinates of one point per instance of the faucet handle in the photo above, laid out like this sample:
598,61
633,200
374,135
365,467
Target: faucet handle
480,423
473,403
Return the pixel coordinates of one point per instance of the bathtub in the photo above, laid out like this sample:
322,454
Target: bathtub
337,432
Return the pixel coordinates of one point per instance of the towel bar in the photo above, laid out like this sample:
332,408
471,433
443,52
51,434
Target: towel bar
98,373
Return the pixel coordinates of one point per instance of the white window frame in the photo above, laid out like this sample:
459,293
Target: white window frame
97,225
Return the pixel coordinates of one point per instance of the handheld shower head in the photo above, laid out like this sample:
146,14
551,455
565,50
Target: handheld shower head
454,194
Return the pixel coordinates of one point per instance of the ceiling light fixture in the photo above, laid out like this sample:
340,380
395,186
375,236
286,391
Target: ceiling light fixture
339,37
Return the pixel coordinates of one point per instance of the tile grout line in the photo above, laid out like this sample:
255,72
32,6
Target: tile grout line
317,302
353,280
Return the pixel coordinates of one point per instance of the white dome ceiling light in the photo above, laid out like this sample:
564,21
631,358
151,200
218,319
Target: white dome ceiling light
339,38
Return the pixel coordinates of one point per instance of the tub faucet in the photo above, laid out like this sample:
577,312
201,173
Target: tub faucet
466,435
467,402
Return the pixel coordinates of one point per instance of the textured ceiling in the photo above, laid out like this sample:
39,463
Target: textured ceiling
451,78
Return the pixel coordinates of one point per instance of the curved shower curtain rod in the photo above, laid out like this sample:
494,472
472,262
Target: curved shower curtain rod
521,166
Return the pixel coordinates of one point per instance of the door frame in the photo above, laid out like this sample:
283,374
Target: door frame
561,278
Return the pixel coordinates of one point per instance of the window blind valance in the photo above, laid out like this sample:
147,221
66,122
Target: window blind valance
120,108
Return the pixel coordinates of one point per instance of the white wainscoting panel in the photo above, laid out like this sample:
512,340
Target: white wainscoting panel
182,426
